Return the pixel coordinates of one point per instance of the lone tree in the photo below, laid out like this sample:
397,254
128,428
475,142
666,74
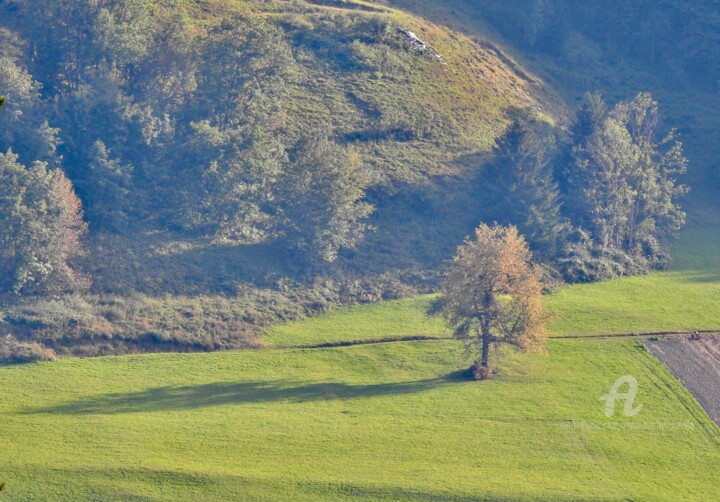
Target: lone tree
491,295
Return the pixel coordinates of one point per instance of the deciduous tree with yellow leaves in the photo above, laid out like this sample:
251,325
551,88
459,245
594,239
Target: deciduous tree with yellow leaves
491,295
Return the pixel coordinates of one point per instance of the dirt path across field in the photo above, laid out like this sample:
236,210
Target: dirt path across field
696,363
420,338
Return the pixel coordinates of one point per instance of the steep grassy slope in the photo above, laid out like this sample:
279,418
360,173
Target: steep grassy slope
421,114
618,48
422,122
414,113
388,422
416,108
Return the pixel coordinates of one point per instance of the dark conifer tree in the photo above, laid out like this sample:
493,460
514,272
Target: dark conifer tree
522,189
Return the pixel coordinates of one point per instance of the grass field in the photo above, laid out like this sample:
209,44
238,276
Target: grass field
399,318
389,421
383,422
396,421
686,297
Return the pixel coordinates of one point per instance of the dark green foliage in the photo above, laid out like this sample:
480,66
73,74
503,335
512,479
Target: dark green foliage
583,261
23,123
521,188
42,232
107,186
610,205
621,190
243,60
321,199
588,118
243,164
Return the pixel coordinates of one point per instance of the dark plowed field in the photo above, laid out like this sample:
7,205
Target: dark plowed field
696,363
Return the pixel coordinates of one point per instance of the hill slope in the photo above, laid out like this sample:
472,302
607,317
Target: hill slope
618,48
163,113
394,421
158,103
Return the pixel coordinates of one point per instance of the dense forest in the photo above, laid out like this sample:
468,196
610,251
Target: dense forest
180,174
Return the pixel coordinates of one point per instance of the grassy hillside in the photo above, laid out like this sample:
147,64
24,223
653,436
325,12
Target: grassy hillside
423,116
416,108
452,98
618,48
394,421
387,422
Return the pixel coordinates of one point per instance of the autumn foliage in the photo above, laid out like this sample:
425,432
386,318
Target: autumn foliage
491,295
43,230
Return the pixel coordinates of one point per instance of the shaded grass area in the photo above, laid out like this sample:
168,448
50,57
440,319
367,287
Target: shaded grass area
384,422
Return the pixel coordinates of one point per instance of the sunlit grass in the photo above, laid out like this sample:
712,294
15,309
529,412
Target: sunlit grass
394,319
383,422
687,297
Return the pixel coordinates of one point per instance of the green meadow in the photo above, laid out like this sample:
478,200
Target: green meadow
369,402
386,421
395,421
685,297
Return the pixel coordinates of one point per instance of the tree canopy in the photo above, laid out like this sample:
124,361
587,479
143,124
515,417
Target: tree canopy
491,295
43,230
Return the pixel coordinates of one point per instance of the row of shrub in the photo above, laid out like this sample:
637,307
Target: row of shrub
93,325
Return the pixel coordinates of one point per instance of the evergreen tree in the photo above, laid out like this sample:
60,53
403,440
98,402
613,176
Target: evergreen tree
522,189
589,117
108,189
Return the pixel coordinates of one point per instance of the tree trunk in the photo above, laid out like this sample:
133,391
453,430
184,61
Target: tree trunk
485,346
485,331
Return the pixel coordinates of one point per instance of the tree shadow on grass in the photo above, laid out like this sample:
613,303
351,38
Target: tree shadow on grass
231,393
706,276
